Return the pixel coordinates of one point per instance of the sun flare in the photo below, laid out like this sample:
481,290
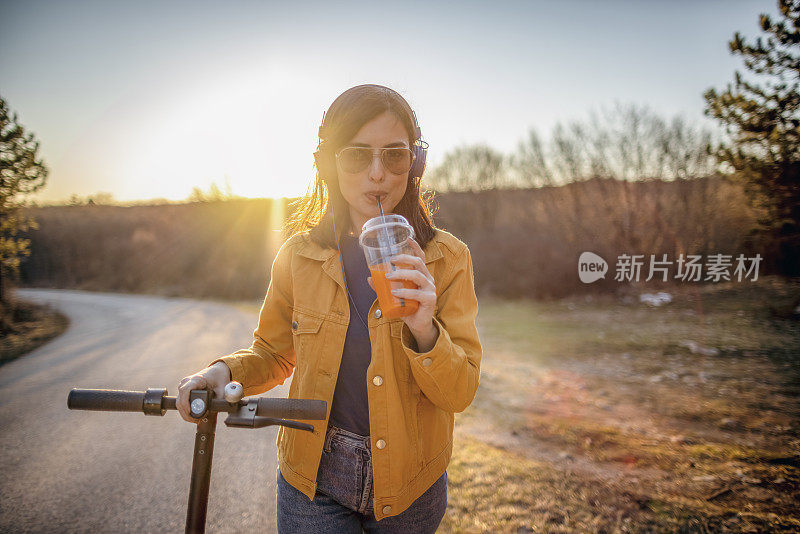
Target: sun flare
243,133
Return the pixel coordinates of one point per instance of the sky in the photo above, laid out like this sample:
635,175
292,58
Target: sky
149,99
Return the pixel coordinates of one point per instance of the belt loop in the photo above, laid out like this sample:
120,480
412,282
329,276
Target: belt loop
328,437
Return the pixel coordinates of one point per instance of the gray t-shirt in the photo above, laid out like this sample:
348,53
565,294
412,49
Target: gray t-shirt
350,409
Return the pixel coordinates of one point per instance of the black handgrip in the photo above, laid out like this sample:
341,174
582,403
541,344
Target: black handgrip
292,408
106,400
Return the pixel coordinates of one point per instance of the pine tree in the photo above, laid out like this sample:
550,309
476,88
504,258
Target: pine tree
761,113
21,172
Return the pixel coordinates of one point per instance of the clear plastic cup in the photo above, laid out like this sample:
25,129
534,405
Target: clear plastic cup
382,238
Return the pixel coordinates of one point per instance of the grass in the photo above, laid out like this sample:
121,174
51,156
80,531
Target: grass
603,414
594,414
25,326
494,490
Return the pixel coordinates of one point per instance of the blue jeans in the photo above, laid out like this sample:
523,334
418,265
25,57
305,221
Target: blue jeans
343,501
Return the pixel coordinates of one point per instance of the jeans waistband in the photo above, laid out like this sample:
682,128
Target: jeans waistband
335,430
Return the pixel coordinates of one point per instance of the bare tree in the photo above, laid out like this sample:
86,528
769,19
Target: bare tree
610,150
469,168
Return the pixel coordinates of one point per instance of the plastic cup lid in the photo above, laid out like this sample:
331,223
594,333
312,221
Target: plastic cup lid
387,222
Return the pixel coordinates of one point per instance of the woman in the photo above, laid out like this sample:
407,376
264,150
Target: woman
392,385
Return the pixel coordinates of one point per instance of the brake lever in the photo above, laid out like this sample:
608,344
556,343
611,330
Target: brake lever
246,418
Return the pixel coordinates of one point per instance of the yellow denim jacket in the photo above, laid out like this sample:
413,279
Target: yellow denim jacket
412,396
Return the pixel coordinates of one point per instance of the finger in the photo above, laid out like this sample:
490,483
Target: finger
419,295
180,403
181,393
417,248
411,275
188,418
416,261
183,407
194,382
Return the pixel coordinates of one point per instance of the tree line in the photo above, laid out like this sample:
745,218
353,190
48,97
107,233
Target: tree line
610,152
625,142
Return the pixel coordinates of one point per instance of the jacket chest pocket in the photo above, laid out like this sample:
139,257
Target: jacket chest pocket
306,333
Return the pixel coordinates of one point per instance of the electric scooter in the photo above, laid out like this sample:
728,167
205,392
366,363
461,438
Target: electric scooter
252,412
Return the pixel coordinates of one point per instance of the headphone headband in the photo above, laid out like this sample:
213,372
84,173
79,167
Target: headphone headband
417,130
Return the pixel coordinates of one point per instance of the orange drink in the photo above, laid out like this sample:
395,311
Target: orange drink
392,306
383,238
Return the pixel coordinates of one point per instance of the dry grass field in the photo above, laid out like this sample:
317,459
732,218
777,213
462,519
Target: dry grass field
607,415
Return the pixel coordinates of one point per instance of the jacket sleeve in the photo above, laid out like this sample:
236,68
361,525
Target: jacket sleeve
449,373
270,360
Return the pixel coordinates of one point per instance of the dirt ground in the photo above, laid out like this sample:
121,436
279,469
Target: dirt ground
605,414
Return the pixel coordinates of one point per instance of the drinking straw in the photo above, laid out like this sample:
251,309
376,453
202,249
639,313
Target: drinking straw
386,244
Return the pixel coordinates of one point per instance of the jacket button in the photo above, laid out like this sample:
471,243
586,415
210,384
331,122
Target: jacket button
378,313
387,509
380,444
377,380
426,362
294,325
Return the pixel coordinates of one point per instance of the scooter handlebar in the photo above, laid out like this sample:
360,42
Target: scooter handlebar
155,402
110,400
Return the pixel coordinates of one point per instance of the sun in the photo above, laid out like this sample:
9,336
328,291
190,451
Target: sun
254,132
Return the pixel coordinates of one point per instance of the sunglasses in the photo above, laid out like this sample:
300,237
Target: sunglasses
396,160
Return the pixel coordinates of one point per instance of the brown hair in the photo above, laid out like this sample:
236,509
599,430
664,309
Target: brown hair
349,112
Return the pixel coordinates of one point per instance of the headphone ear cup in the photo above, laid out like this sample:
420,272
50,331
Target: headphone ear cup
418,167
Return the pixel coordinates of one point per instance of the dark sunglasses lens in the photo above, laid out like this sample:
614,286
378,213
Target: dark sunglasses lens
397,160
355,159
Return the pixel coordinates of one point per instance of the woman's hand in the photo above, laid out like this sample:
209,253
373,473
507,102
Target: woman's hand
420,322
215,378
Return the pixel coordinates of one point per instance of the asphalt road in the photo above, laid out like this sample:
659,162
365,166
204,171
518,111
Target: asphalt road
79,471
